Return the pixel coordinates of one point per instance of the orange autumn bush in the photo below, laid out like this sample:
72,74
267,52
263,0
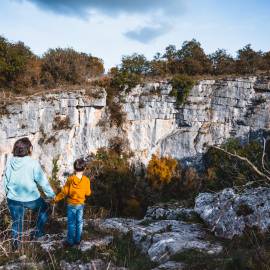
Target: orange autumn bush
161,170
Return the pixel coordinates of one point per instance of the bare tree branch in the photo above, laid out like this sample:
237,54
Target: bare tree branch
263,156
245,160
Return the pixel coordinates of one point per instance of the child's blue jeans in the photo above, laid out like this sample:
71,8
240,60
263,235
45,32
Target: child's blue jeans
75,223
17,210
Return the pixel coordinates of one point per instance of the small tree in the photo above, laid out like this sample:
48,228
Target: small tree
54,179
136,63
222,62
193,58
248,60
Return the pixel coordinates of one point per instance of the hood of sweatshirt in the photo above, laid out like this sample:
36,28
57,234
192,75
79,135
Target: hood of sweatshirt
76,181
18,162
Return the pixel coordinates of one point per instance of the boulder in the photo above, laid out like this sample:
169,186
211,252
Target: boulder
229,213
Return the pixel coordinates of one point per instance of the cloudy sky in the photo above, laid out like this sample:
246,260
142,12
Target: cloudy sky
112,28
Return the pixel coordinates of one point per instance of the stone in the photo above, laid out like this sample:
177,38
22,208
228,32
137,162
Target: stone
113,225
175,211
229,213
51,242
160,240
93,243
23,265
97,264
171,265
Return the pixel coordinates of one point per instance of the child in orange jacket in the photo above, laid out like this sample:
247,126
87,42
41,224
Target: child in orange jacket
75,189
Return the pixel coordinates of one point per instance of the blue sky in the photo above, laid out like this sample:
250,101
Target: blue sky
112,28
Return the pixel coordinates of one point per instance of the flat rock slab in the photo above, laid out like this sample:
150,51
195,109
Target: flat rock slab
23,265
175,211
51,242
229,214
161,239
99,242
170,265
92,265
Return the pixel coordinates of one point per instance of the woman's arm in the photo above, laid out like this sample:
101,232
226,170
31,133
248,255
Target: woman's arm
5,177
41,179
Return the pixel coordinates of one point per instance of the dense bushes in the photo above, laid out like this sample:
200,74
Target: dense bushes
115,181
119,189
20,69
67,65
223,170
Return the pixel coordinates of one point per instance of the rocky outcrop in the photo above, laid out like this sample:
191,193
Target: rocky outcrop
229,213
70,124
170,210
162,239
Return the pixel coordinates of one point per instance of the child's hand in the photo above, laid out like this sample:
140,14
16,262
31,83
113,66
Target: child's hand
53,202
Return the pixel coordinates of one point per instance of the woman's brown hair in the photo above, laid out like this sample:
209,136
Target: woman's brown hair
22,147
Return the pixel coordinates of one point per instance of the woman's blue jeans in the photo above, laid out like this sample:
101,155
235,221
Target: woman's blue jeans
17,210
75,223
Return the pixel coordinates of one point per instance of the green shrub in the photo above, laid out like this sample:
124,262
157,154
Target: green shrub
223,170
54,179
181,86
135,64
123,80
117,82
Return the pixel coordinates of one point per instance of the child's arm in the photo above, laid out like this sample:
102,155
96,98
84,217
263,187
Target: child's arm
63,193
88,188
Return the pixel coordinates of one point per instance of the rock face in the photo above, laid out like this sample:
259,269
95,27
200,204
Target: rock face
68,125
229,214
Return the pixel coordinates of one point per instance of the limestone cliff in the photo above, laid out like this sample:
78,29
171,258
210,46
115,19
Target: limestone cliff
70,124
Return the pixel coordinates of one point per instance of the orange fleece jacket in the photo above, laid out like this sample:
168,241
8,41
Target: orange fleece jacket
75,189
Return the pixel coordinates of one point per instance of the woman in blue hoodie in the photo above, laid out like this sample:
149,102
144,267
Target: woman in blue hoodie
22,177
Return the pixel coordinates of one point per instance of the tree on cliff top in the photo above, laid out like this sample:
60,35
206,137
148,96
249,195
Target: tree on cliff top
248,61
67,65
19,67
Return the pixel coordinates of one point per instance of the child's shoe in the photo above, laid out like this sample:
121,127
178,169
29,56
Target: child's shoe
66,244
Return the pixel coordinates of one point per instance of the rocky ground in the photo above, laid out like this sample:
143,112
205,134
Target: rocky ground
169,236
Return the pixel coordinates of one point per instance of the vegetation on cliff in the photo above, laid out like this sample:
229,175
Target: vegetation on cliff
21,69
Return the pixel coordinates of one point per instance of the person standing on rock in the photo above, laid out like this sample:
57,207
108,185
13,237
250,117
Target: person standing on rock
22,177
75,189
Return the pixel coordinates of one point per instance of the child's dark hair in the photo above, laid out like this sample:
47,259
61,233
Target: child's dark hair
79,165
22,147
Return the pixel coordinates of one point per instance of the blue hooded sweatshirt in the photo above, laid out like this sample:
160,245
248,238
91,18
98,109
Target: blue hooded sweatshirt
22,175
